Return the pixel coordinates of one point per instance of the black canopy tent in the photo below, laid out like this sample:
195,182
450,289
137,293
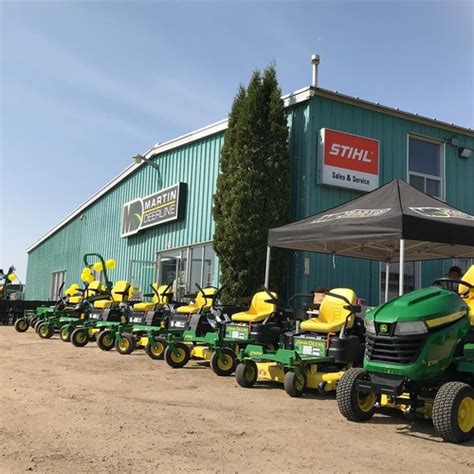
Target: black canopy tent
394,223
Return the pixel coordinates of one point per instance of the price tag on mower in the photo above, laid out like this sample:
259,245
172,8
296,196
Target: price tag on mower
311,347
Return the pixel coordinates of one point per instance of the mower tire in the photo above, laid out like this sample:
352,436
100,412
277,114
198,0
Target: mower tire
246,374
21,325
45,330
125,344
224,364
65,334
156,350
80,337
181,358
453,412
354,405
105,340
295,383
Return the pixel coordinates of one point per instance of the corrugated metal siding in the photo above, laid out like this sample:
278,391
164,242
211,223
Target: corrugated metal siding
197,164
309,198
99,231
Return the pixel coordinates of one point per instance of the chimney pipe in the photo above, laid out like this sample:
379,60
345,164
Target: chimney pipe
314,67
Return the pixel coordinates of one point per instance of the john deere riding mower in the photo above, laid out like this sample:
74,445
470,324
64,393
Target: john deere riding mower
316,355
146,319
107,312
419,359
220,333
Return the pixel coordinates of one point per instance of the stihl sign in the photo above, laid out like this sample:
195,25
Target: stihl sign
348,161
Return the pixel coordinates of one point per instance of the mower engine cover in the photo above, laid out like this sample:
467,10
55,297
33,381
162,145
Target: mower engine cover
415,335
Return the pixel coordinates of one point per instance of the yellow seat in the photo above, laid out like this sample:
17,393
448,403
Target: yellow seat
332,314
158,301
259,309
199,302
468,277
119,294
77,298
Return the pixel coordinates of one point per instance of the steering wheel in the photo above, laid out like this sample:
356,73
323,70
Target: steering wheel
452,284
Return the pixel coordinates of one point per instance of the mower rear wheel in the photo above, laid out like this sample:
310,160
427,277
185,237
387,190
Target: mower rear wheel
33,321
156,349
246,374
79,337
65,334
37,325
178,357
45,330
354,405
21,325
295,383
106,340
126,344
453,412
224,364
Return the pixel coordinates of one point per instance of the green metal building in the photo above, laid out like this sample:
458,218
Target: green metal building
158,224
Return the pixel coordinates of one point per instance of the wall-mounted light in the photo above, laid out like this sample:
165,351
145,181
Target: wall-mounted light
140,158
454,141
464,152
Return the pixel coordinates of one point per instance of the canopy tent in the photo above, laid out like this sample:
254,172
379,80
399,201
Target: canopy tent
394,223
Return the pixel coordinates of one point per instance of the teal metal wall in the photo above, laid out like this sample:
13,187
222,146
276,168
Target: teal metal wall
309,198
196,164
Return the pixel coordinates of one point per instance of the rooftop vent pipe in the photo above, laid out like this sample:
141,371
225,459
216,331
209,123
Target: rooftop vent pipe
314,67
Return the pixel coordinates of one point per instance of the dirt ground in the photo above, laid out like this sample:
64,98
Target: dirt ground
69,409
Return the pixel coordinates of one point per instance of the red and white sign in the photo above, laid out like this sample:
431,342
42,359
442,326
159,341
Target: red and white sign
348,161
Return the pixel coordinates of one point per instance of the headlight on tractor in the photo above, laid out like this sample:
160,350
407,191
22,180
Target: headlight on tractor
369,324
410,328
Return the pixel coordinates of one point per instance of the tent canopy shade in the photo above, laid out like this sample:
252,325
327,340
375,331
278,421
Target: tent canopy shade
372,226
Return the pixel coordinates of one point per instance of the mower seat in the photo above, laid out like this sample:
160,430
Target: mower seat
468,277
259,309
95,285
199,302
119,294
332,314
158,301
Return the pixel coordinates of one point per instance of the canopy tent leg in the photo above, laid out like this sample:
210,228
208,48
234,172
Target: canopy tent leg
402,267
267,268
387,276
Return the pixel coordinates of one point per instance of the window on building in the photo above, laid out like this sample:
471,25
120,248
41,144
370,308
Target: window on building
425,166
185,267
57,285
141,274
412,272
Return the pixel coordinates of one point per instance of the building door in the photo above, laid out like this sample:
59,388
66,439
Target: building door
141,274
172,268
57,285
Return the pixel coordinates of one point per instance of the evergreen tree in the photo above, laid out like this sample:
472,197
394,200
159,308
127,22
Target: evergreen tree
252,191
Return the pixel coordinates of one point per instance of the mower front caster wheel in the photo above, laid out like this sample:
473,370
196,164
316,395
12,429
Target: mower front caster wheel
21,325
246,374
177,356
353,404
125,344
453,412
79,337
295,383
106,340
45,330
65,334
223,363
156,349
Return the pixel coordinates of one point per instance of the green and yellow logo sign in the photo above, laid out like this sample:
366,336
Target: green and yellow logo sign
164,206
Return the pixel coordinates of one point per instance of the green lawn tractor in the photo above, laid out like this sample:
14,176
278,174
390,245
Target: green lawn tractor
70,312
222,332
145,319
419,359
108,312
314,356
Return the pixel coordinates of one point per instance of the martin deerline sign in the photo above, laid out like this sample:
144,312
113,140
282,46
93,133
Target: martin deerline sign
163,206
348,161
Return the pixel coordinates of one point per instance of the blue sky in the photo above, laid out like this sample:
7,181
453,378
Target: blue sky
85,85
